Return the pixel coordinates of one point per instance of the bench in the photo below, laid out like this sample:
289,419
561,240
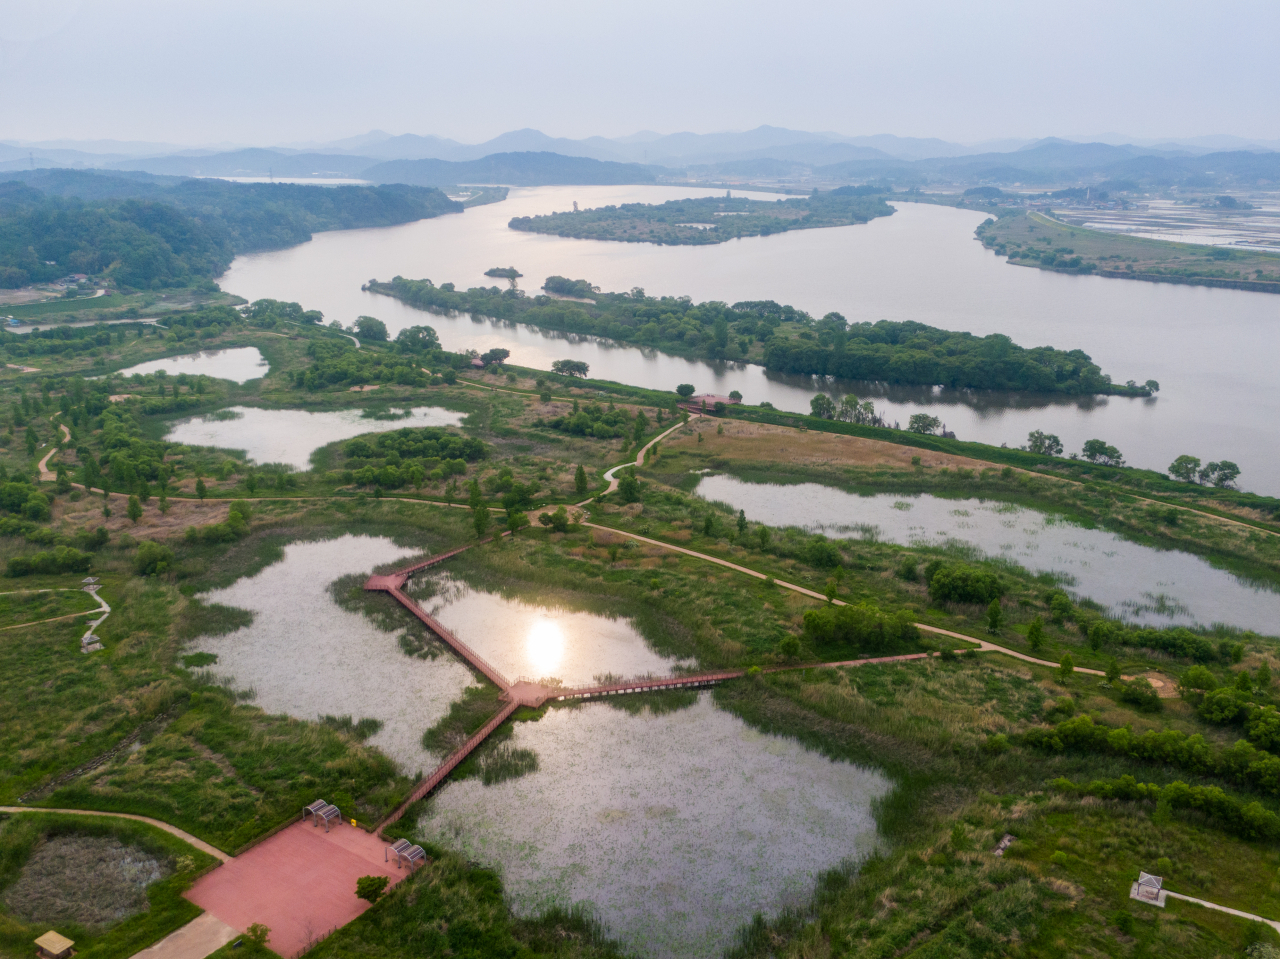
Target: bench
398,847
314,808
414,856
328,813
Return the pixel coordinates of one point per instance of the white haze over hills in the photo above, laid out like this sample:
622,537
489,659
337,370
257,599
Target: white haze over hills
675,150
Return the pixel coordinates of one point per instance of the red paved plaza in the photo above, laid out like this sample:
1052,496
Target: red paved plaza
301,883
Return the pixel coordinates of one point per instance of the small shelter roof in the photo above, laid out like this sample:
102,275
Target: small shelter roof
1146,879
54,944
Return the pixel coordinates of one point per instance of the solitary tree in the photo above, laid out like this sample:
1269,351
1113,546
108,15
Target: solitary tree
516,521
994,616
1066,668
570,368
480,519
923,423
371,328
1185,468
1035,634
629,487
371,888
134,509
1098,451
822,406
201,489
1113,670
685,390
1046,444
164,503
580,480
742,521
762,534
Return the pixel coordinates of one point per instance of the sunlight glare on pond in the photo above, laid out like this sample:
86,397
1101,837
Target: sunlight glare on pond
544,647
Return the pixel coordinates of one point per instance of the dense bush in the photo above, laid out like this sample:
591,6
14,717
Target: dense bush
63,559
964,584
1242,764
1250,820
860,630
152,559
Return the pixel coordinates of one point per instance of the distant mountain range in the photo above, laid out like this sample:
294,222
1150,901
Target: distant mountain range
529,158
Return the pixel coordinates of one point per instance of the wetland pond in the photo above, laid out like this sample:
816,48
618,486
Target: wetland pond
1140,583
291,436
240,365
674,828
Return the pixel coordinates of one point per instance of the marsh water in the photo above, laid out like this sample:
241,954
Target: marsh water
240,364
306,656
674,829
1141,583
1211,350
533,641
291,436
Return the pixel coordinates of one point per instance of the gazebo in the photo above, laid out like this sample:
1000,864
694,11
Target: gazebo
1148,888
54,946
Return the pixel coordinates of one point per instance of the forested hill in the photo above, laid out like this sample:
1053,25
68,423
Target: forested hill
147,231
781,338
710,219
514,169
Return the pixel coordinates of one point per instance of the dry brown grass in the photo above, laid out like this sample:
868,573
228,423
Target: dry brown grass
763,443
69,517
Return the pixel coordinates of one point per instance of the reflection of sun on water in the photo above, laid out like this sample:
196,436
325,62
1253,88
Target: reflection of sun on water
544,647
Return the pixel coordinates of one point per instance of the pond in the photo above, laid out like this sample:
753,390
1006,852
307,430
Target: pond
673,829
306,656
240,365
291,436
1140,583
538,642
1217,398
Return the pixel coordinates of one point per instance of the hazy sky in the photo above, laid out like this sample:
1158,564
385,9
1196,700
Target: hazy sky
263,71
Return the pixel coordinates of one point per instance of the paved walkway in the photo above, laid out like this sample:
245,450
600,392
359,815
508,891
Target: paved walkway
203,935
300,883
172,830
1234,912
983,645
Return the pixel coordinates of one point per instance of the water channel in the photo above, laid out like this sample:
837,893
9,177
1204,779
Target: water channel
1140,583
291,436
1211,350
674,829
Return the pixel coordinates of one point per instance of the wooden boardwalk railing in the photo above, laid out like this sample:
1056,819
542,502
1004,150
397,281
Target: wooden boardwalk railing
477,661
451,763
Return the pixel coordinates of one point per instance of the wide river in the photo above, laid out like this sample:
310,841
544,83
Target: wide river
1213,351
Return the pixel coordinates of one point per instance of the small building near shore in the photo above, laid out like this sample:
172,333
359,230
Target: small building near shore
54,946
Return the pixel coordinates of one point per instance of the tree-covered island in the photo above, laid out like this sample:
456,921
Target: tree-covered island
710,219
780,338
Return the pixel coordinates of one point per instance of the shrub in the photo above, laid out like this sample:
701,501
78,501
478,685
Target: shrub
1221,707
63,559
1142,695
964,584
558,521
822,553
861,629
152,559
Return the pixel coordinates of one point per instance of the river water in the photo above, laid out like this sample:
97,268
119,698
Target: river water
1211,350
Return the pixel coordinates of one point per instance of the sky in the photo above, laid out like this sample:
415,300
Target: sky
269,72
